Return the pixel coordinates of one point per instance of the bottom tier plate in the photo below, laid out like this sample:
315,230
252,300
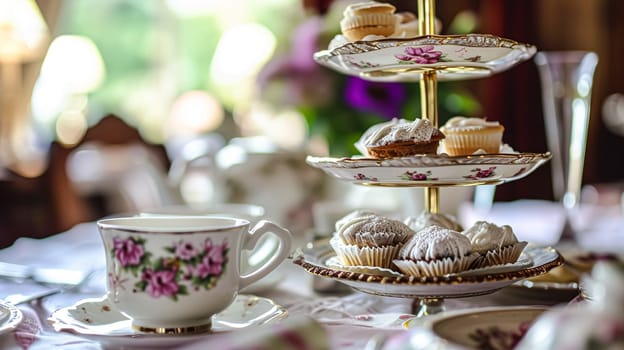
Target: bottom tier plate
314,256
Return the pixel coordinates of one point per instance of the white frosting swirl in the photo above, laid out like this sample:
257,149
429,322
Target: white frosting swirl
467,123
425,219
486,236
435,242
368,7
398,130
352,215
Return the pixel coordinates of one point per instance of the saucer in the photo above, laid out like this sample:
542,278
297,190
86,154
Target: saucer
99,320
10,316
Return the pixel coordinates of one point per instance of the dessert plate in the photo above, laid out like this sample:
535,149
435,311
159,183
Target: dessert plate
483,328
452,57
432,170
335,263
314,256
10,316
523,261
99,320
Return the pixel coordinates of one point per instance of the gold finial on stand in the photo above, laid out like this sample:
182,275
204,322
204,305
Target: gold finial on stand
429,90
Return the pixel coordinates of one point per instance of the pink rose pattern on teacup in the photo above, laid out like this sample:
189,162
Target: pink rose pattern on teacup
187,266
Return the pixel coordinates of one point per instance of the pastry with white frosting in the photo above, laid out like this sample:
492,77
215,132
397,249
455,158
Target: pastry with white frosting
435,251
465,136
496,245
369,240
400,138
426,218
368,18
352,215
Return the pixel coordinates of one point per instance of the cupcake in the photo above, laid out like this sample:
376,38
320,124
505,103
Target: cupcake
368,18
465,136
425,219
369,240
496,245
400,138
435,251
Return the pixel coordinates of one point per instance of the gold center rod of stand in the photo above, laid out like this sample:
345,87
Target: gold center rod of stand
429,90
426,17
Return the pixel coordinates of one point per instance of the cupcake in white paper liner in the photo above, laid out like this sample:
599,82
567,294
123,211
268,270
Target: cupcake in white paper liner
523,262
335,263
435,251
369,239
438,267
496,245
352,255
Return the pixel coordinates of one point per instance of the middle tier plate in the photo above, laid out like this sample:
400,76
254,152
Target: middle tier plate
432,170
314,259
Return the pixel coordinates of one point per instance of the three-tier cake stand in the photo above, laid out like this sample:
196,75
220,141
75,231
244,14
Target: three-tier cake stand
459,57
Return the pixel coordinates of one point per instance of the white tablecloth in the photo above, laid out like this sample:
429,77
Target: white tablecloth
346,321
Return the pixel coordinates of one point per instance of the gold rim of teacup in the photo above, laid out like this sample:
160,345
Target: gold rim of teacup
174,330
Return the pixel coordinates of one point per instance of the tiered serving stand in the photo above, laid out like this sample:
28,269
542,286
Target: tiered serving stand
463,57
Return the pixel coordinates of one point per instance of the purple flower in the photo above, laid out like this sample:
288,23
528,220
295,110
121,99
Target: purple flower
185,250
160,283
420,55
483,173
127,251
212,263
385,99
418,176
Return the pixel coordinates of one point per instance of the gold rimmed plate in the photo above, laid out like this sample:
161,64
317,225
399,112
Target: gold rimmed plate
497,327
432,170
99,320
453,57
10,316
538,260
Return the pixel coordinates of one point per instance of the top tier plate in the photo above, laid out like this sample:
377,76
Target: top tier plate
453,57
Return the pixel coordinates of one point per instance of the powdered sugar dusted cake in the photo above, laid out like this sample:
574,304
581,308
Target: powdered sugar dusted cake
369,240
435,251
399,138
374,231
495,244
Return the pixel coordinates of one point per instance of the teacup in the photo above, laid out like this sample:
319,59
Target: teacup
171,274
265,248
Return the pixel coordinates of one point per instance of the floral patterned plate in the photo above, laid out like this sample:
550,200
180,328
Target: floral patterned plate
99,320
429,171
453,57
483,328
314,259
10,316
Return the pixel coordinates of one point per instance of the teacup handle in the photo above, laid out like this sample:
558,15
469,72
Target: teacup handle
283,250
